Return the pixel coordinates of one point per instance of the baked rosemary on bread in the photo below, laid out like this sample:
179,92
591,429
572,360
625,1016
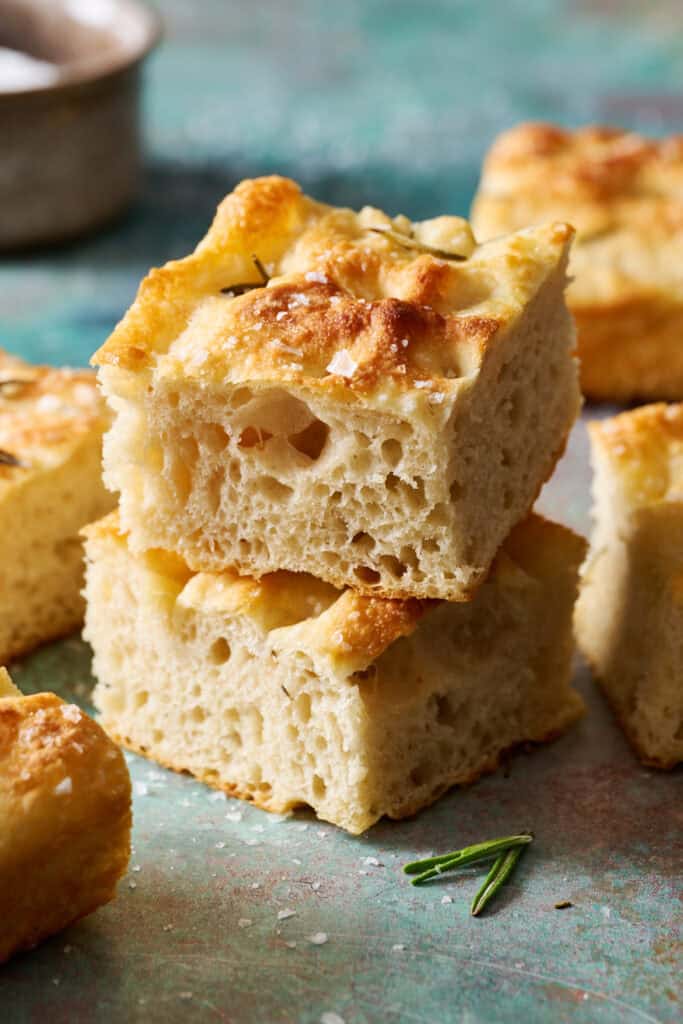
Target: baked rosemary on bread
369,400
51,424
287,691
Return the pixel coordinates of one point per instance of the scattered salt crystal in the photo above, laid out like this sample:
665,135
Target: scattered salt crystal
302,828
72,713
361,872
256,885
446,899
185,995
342,364
295,860
168,927
421,383
215,797
64,787
244,922
233,816
398,947
372,861
258,828
48,403
405,342
318,938
317,276
330,1017
282,915
281,315
315,886
136,868
290,945
132,885
220,846
141,789
252,842
321,833
606,912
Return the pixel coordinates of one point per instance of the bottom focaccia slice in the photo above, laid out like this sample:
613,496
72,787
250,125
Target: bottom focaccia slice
286,691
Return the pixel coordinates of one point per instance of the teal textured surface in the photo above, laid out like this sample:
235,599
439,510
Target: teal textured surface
391,103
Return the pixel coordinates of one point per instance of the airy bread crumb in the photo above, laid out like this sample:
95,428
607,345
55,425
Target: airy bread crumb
378,415
287,691
51,425
629,616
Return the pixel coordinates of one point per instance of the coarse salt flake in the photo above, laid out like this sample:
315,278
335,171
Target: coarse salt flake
329,1017
282,915
244,922
342,364
64,787
318,938
141,789
72,713
317,276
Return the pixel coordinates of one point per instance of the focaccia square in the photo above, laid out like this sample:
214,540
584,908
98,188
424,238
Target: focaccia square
51,425
380,412
287,691
65,817
630,613
624,195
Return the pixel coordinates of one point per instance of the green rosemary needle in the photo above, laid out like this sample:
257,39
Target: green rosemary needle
431,867
240,289
412,243
498,875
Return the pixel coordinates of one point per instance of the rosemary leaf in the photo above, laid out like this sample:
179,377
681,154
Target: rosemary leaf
498,875
241,288
563,905
412,243
433,866
7,459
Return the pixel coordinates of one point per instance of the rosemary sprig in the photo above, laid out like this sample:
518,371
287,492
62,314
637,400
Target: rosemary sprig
431,867
240,289
7,459
498,875
407,242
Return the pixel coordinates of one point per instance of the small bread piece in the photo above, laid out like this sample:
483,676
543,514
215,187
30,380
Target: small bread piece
378,415
286,691
629,617
623,194
65,817
51,424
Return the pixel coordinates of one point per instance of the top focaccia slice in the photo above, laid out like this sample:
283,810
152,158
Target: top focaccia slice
379,412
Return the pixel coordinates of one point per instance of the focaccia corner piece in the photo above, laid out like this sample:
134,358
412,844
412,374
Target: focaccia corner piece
623,194
380,414
629,616
287,691
65,817
51,425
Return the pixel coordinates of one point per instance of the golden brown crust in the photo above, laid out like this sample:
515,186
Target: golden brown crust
349,307
44,416
645,449
64,815
622,192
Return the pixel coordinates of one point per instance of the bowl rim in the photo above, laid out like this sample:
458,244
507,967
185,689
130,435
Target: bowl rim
90,74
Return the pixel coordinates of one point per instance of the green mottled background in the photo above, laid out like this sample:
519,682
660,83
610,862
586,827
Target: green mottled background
391,103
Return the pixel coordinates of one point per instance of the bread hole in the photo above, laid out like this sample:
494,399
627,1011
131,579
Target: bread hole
255,776
364,675
311,440
392,452
254,437
302,707
219,652
292,734
455,491
446,713
392,482
157,736
508,498
335,498
213,491
430,545
360,440
393,566
516,407
415,494
244,547
235,739
366,575
235,472
272,489
422,773
240,397
320,743
173,399
265,788
409,556
214,437
198,714
363,541
256,719
319,787
141,698
180,472
505,458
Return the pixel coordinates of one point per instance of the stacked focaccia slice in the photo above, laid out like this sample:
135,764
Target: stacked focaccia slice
326,425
